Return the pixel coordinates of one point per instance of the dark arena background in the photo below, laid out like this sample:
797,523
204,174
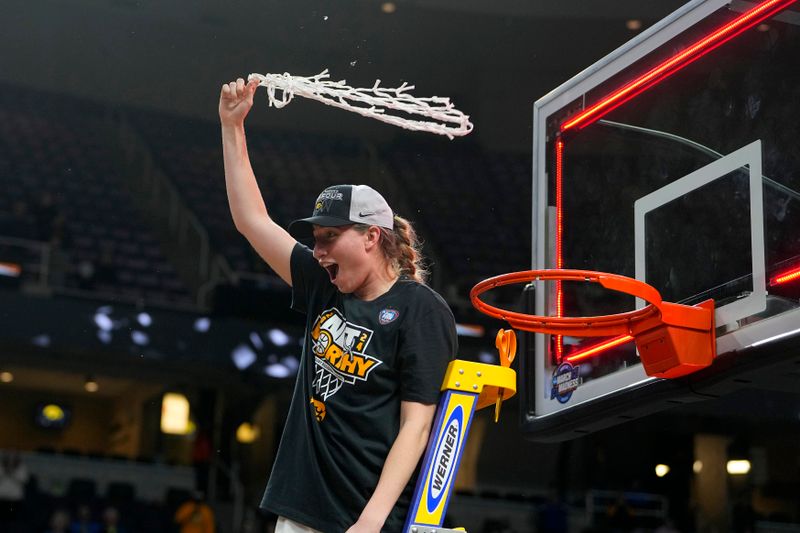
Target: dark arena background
148,355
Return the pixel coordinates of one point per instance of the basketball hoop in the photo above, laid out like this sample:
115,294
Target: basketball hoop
381,103
672,339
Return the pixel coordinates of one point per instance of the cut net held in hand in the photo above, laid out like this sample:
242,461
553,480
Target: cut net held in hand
437,114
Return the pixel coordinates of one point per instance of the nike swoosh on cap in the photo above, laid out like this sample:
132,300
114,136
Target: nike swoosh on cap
367,214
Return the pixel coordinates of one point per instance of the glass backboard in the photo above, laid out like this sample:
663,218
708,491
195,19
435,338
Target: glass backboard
673,160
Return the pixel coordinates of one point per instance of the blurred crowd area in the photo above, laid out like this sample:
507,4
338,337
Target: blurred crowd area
74,218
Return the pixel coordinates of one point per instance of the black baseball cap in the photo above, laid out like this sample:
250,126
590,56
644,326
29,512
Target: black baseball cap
342,205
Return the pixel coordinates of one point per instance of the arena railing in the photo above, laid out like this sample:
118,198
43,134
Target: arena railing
191,252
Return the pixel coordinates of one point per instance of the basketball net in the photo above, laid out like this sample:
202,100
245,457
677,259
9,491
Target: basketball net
376,102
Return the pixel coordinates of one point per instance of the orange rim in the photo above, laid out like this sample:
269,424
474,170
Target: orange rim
599,326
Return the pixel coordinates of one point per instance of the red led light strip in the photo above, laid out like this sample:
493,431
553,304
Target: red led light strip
597,348
785,277
559,339
744,22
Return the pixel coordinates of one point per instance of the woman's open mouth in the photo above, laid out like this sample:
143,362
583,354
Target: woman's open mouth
333,270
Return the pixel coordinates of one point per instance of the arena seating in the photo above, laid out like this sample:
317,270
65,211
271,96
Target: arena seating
61,169
483,228
61,160
292,169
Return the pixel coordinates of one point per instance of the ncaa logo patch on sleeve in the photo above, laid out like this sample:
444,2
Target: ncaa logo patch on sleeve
388,315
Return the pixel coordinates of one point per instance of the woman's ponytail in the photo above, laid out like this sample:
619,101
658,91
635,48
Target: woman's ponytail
403,249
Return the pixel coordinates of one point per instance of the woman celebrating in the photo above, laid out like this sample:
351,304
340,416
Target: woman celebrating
376,346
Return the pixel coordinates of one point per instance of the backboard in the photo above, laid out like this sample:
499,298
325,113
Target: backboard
674,160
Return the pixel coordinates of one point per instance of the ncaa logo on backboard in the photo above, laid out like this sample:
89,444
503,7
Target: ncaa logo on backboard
565,381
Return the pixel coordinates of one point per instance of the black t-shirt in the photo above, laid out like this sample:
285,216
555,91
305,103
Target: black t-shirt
360,359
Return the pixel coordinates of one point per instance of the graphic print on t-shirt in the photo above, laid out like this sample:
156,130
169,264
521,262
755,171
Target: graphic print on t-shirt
339,347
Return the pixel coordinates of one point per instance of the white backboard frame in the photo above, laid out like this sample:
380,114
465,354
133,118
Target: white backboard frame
748,156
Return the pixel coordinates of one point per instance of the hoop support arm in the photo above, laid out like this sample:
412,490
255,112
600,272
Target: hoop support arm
482,379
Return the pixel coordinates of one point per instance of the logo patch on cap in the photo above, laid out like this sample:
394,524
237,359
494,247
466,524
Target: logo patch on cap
388,315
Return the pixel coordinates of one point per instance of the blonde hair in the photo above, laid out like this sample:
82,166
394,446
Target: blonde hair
402,249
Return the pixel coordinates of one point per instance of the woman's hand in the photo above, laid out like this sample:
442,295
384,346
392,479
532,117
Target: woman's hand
235,101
